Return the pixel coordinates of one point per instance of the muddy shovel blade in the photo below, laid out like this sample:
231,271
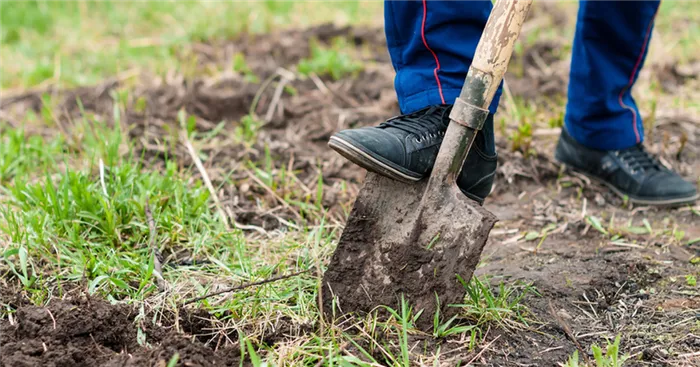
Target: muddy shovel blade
393,246
420,241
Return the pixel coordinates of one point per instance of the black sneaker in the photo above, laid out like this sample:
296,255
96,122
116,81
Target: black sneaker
630,172
404,148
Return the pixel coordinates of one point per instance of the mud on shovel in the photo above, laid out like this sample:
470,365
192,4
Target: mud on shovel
422,240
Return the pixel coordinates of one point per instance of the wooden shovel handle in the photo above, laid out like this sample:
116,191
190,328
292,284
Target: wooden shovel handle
496,44
485,74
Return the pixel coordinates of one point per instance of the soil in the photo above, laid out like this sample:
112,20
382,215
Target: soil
91,332
590,288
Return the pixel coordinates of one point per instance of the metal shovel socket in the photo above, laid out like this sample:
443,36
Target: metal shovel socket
420,242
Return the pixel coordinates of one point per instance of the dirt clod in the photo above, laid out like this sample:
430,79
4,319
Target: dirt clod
91,332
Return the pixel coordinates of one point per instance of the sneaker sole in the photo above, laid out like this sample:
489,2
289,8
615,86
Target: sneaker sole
370,162
632,199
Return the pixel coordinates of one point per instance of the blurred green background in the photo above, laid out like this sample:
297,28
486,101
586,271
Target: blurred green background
82,42
70,43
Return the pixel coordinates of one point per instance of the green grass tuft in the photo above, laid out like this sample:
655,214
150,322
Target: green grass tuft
332,61
21,153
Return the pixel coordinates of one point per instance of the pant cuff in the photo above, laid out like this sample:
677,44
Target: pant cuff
432,97
604,134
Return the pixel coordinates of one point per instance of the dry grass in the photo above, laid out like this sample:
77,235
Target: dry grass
77,179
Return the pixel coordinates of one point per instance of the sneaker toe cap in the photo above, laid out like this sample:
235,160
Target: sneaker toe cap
669,186
375,142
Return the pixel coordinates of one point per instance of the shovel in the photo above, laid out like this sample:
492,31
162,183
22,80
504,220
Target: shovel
421,241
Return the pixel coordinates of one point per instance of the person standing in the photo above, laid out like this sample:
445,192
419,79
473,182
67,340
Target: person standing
432,43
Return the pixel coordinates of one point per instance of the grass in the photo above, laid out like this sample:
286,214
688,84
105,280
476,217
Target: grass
77,220
78,43
332,61
502,305
82,210
609,358
637,233
21,152
680,37
90,224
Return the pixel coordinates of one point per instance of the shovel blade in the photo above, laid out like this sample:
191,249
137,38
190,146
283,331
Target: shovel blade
399,243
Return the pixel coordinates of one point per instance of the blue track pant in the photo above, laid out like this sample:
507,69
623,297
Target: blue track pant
432,43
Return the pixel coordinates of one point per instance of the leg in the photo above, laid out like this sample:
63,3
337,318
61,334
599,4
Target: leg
432,44
610,45
603,132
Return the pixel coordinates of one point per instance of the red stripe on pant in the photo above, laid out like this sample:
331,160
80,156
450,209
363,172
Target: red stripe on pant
632,76
425,43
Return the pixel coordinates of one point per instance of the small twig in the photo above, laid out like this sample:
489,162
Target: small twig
251,227
52,318
372,339
501,232
583,336
246,285
547,132
286,77
259,93
319,83
157,265
550,349
319,285
541,64
275,99
569,334
285,222
623,244
585,229
590,304
483,350
273,193
687,355
206,179
322,86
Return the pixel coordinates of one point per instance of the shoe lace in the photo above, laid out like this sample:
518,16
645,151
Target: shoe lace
422,123
638,159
